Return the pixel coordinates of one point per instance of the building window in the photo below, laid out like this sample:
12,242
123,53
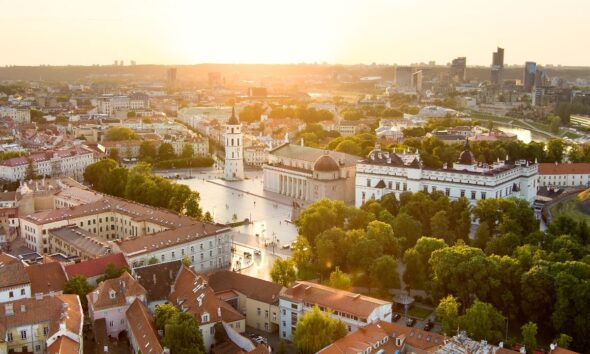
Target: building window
447,191
473,195
425,189
23,334
483,195
9,336
162,258
45,330
22,291
368,182
258,311
405,186
397,186
389,185
462,193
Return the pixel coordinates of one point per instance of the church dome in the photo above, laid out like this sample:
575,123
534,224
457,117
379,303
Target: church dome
325,163
466,157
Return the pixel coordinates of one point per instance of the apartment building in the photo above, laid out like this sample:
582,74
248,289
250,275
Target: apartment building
559,175
73,241
192,294
14,279
355,310
58,163
42,325
206,245
111,299
257,299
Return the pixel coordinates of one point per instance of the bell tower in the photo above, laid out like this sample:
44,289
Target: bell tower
234,150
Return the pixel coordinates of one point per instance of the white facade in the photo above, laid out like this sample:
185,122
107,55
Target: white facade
256,155
378,175
234,143
206,253
555,175
13,293
18,115
292,310
60,163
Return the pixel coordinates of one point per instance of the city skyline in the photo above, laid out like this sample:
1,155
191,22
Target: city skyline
384,32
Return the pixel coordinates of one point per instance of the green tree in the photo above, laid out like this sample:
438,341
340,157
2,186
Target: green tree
482,235
182,334
319,217
529,336
407,228
415,273
30,172
563,341
555,150
152,261
349,147
340,280
120,133
483,321
147,151
447,312
163,313
383,273
462,271
439,227
114,155
111,272
315,330
96,174
166,152
187,151
283,272
79,286
186,261
554,123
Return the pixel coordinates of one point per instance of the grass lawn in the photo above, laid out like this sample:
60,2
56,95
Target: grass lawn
570,208
419,312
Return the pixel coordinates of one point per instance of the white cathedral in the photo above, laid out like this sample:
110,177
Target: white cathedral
234,149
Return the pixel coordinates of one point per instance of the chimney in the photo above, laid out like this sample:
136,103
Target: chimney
219,311
23,308
154,278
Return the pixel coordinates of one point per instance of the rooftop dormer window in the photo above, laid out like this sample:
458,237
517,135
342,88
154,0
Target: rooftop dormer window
112,294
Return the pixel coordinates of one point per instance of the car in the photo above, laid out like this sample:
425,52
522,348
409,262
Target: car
396,317
410,322
428,326
286,246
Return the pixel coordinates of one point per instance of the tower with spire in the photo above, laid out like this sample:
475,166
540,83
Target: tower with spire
234,150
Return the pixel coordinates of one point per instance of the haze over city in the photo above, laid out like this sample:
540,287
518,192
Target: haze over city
294,177
262,31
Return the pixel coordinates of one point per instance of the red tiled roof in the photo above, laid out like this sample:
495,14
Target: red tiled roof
564,168
95,267
46,278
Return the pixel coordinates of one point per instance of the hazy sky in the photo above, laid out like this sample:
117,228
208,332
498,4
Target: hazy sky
55,32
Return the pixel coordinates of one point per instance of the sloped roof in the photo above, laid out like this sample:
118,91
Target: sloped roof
564,168
310,154
189,288
97,266
12,271
123,287
157,279
334,299
253,288
143,328
46,278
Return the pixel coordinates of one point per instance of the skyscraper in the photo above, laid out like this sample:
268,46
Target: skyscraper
530,71
171,77
497,66
459,69
403,76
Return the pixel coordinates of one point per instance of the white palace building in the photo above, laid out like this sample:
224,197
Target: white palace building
385,172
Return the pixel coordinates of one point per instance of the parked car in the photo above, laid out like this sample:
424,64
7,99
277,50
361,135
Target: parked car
396,317
428,326
410,322
286,246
